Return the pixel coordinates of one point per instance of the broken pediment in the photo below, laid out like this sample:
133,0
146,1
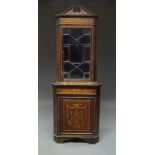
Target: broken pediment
77,10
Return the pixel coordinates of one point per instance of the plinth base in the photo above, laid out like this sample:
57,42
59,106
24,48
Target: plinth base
71,139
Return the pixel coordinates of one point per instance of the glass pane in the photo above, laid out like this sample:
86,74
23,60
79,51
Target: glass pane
67,39
76,33
76,53
87,76
66,31
76,74
66,53
84,67
87,53
85,39
86,31
68,67
66,76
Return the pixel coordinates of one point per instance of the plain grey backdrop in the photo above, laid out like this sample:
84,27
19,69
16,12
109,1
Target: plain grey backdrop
106,71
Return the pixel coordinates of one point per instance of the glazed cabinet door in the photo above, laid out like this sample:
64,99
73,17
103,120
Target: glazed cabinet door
76,115
76,49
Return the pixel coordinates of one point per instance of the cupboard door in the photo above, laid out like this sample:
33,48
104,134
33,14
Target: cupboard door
76,115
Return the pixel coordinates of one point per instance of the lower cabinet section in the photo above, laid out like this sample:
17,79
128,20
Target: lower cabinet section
76,113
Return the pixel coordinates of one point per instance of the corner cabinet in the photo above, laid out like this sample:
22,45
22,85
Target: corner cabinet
76,93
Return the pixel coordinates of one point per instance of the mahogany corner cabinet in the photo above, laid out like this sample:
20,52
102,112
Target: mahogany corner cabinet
76,93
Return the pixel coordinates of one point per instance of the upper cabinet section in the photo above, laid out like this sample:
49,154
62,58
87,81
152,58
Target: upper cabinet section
76,45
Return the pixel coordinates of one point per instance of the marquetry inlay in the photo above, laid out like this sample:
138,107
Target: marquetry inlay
76,114
75,91
67,21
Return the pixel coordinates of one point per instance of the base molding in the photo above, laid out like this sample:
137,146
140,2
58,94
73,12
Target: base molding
75,139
